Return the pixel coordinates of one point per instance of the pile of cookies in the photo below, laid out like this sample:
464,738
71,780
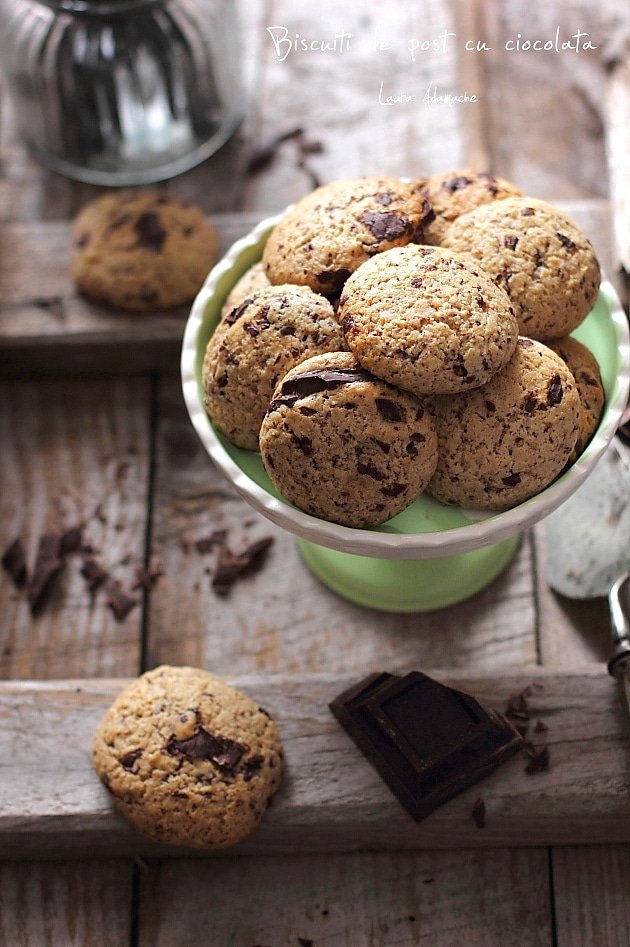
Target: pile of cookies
400,337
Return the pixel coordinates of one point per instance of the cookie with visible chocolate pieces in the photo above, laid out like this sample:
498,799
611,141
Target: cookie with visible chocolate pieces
506,441
187,758
538,255
584,368
141,251
257,343
345,446
326,235
427,320
250,282
453,193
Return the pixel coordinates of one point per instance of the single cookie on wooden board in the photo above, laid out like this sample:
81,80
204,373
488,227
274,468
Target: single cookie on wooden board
584,368
427,320
141,251
187,758
326,235
345,446
453,193
505,442
250,282
538,255
257,343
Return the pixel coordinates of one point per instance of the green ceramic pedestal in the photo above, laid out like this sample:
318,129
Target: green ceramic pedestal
407,585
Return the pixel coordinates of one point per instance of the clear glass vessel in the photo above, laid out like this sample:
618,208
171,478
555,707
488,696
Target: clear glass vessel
122,92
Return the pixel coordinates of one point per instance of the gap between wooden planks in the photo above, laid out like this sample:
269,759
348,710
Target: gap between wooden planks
45,326
52,804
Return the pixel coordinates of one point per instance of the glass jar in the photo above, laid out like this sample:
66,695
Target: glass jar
122,92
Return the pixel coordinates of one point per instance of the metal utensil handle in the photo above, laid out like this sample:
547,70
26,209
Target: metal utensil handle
619,604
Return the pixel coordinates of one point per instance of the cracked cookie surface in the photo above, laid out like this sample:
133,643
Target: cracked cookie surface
326,235
501,444
255,345
345,446
427,320
187,758
538,255
453,193
141,252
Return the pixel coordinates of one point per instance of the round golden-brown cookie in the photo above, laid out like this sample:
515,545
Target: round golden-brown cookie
453,193
501,444
427,320
584,368
257,343
538,255
345,446
250,282
188,759
327,234
141,251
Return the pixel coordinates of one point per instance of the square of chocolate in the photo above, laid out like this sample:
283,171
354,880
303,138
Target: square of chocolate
428,741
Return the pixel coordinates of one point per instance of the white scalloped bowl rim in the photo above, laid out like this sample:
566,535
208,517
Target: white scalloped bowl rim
486,529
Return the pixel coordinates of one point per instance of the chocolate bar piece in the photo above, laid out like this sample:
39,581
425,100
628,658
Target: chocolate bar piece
428,741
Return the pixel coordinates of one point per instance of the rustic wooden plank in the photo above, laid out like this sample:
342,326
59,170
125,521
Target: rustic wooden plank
282,619
332,799
591,895
372,899
617,126
65,904
70,450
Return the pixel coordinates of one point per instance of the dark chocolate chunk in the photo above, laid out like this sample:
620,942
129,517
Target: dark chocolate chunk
238,311
428,741
305,942
460,370
119,602
93,573
393,489
416,282
479,813
149,231
208,543
481,302
336,278
389,410
252,766
456,184
256,326
147,577
14,562
512,480
529,403
232,566
524,343
386,226
48,564
510,241
554,391
203,745
517,706
129,759
72,540
369,470
566,242
528,212
538,759
428,214
490,406
310,383
304,444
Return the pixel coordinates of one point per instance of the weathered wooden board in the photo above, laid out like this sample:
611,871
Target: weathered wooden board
367,900
591,895
332,799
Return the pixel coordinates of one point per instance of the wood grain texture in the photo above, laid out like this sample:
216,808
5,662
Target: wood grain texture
617,121
281,620
73,451
592,904
368,900
76,904
331,799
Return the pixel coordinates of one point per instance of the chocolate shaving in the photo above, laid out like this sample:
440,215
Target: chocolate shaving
516,706
510,241
310,383
147,578
14,562
566,242
238,311
538,759
48,565
479,813
93,573
118,600
232,566
72,540
208,543
540,727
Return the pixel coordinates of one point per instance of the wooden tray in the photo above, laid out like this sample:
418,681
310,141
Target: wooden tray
52,803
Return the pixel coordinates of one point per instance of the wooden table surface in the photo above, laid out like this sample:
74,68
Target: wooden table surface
121,445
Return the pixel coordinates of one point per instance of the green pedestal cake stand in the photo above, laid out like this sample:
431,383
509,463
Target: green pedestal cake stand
430,555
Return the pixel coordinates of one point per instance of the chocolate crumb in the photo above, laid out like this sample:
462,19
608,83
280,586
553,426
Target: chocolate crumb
93,573
129,759
14,562
48,564
540,727
147,578
232,566
305,942
566,242
512,480
252,766
479,813
119,602
72,540
510,241
538,759
208,543
516,706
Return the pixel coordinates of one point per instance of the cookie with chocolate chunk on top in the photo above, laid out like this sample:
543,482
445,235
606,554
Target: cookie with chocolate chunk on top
141,251
345,446
453,193
188,759
326,235
585,369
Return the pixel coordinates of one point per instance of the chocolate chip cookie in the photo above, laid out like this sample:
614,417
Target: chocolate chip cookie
584,368
538,255
250,282
188,759
323,238
257,343
453,193
427,320
501,444
345,446
142,251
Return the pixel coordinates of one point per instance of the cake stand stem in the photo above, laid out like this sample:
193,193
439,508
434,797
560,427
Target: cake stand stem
407,585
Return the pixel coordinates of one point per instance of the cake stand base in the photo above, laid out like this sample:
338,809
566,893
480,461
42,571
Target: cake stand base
407,585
